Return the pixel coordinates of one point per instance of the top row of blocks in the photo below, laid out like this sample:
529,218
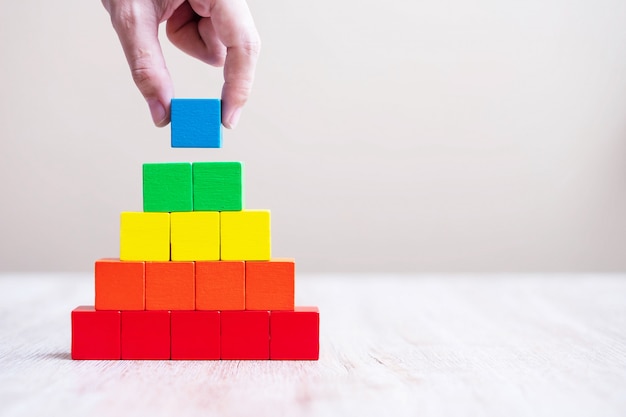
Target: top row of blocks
201,186
196,123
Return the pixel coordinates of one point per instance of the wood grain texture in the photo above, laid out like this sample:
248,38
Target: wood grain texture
245,235
217,186
167,187
220,285
245,335
119,285
145,335
295,335
196,123
95,334
195,236
270,285
535,345
144,236
195,335
170,286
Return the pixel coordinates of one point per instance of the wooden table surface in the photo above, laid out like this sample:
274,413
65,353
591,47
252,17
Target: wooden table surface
501,345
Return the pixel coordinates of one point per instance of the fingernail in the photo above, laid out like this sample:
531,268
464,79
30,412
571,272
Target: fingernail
234,119
158,112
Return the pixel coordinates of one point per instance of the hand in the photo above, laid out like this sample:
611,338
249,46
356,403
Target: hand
218,32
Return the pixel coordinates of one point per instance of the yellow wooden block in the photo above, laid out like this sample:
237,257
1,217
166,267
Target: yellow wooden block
144,236
195,236
245,235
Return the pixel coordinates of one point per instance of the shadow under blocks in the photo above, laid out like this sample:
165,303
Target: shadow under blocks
195,278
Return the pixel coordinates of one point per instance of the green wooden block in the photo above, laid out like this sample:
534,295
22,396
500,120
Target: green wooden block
217,186
167,187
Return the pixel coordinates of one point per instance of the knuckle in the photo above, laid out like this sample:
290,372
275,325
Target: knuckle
252,46
240,90
123,15
217,59
145,79
201,8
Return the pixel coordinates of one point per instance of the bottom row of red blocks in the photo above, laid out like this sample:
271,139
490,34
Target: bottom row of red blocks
195,335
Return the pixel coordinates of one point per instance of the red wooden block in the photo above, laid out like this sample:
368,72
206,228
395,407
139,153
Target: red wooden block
145,334
95,334
245,334
119,285
295,334
270,284
195,334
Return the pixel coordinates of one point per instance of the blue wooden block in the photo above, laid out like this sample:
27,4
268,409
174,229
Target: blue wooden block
196,123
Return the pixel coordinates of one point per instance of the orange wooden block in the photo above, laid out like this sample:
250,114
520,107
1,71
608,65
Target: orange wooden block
270,284
119,285
170,286
220,285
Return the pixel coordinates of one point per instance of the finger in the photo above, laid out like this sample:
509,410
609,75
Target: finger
136,25
195,36
235,28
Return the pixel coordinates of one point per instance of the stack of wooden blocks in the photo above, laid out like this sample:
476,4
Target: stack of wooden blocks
195,278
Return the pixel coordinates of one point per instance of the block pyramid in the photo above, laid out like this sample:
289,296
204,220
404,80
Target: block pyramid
195,279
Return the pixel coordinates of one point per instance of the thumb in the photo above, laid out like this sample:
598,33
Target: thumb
137,26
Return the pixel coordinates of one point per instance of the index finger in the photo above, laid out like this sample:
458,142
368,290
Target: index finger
136,24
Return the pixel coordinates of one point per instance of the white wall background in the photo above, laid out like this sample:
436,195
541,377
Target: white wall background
385,136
